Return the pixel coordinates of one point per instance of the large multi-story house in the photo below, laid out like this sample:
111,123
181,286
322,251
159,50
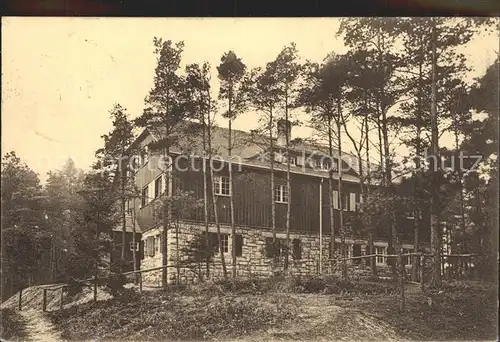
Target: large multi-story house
309,199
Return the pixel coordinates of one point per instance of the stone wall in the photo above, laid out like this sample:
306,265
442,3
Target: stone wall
252,262
152,278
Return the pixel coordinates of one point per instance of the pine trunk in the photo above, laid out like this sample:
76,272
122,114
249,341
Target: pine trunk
214,200
435,245
166,219
124,221
288,186
371,249
205,201
273,205
134,242
341,206
231,199
330,189
418,151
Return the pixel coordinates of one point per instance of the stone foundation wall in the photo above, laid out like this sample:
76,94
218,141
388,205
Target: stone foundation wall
152,278
252,262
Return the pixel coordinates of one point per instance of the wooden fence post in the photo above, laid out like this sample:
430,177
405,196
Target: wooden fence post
401,283
140,282
20,298
95,288
61,304
422,264
44,303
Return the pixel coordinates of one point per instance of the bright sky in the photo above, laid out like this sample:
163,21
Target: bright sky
61,76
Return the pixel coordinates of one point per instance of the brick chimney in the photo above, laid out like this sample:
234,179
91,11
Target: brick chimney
284,129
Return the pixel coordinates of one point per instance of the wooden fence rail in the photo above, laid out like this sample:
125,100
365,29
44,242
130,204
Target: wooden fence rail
421,256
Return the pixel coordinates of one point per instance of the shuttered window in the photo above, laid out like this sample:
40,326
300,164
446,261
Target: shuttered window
352,201
163,183
238,245
158,186
268,248
150,246
151,191
271,250
335,199
144,196
297,249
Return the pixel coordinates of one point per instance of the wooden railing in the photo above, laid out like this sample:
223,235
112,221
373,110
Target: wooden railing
421,256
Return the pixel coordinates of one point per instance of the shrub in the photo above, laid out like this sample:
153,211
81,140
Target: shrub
74,287
115,284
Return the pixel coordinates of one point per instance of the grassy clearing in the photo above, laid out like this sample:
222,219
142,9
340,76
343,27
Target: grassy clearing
171,316
457,311
13,326
288,309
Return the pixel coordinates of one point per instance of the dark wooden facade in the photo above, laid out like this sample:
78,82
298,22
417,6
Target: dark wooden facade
129,256
252,198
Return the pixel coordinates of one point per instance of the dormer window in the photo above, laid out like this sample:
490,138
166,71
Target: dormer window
324,164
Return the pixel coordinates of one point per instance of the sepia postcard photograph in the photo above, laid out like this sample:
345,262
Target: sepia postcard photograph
249,179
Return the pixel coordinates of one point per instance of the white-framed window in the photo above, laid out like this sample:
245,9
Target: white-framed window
222,186
292,160
409,215
145,196
325,164
407,259
281,193
348,201
345,201
381,260
224,240
131,246
214,242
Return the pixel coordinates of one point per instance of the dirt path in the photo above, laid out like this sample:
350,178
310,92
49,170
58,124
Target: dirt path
321,320
39,328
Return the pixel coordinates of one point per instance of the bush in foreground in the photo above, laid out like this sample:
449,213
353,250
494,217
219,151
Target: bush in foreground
281,284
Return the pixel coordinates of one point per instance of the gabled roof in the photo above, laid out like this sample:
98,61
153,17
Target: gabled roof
248,146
